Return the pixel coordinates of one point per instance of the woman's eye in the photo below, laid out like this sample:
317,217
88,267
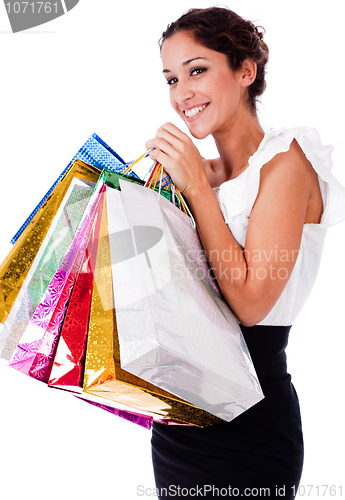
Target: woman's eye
197,71
171,81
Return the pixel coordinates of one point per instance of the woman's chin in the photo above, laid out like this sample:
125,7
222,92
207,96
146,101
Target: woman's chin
198,133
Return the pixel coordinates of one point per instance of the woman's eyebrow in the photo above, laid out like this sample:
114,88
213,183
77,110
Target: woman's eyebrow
191,60
185,63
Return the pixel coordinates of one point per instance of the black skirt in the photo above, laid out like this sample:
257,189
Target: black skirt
258,454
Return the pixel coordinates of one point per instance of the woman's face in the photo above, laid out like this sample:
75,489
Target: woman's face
204,90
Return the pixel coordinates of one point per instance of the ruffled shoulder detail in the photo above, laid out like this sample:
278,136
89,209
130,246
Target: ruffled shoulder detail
237,196
273,143
320,157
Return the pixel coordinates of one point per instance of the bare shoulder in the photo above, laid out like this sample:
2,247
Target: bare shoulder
290,174
292,163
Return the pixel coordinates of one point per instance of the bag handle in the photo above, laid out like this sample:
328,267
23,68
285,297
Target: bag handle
157,171
156,174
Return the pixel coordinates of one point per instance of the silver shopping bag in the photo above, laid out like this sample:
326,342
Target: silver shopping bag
175,328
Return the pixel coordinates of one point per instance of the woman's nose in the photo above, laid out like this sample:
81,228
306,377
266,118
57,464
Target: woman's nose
183,92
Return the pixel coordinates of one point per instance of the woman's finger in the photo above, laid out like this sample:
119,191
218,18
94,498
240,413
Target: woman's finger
169,144
163,145
175,137
161,157
178,143
162,133
175,131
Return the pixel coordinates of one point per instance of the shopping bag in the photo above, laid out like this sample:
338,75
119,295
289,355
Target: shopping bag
65,333
138,419
175,328
67,370
54,247
62,365
103,375
95,152
41,364
111,384
42,332
59,359
16,266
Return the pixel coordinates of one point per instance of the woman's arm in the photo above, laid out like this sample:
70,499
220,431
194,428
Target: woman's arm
251,279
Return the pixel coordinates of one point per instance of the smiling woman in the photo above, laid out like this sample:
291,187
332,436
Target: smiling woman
205,83
269,194
220,36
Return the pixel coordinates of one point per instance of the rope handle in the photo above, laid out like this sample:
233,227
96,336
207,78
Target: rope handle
155,177
129,168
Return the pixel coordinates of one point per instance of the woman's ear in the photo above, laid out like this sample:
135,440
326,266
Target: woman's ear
248,72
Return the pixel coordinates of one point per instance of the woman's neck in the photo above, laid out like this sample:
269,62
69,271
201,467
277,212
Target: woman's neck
237,144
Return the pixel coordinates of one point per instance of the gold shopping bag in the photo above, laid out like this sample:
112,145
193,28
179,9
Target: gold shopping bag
17,264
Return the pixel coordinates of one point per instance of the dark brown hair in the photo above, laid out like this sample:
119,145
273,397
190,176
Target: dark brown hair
222,30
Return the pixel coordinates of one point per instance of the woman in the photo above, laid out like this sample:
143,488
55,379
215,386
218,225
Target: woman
275,193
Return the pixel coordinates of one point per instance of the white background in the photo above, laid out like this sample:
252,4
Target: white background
97,69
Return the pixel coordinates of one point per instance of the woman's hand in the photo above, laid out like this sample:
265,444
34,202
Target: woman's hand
179,157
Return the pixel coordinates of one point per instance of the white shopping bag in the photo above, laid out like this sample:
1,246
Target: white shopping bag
175,328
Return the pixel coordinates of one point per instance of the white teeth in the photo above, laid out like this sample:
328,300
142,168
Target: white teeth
192,112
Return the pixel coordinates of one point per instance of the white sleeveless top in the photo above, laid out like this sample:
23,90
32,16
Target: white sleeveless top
236,198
